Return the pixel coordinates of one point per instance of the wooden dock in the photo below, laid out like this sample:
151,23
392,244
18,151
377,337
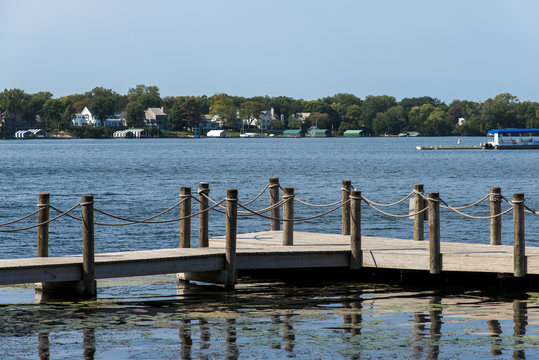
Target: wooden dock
264,250
218,260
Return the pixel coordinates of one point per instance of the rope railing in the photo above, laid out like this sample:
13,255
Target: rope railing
43,223
394,215
20,219
388,205
474,217
316,205
258,196
295,219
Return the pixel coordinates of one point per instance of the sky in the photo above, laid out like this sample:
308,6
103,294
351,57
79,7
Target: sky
459,49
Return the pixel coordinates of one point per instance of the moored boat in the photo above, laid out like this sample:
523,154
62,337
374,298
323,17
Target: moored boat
513,139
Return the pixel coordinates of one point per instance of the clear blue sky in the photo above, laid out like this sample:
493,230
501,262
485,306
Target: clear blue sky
459,49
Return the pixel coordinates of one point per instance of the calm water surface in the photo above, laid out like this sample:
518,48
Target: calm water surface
147,318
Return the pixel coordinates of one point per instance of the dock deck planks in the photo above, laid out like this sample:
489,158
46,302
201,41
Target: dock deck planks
264,250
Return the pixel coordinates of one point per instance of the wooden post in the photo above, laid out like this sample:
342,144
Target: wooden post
495,209
519,246
203,218
274,199
89,288
185,212
346,187
43,230
419,219
288,214
356,259
434,233
231,231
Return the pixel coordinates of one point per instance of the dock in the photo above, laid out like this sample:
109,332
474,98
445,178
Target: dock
450,147
218,260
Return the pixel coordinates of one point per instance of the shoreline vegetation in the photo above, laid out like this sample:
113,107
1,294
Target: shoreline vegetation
187,116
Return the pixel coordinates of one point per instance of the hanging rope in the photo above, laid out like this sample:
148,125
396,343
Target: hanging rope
20,219
394,215
258,196
45,222
474,217
387,205
315,205
143,220
468,206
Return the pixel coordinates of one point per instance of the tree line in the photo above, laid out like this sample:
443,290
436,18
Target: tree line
376,114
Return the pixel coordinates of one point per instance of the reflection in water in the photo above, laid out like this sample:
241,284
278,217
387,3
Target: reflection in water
231,347
43,346
289,337
495,332
363,324
520,319
435,315
186,340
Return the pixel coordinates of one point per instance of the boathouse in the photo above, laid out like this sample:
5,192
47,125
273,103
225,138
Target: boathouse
130,134
31,134
319,132
294,133
218,133
354,133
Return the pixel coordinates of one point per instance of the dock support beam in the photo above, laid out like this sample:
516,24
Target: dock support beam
43,230
419,219
346,187
495,222
356,259
288,217
185,219
434,234
89,288
519,245
203,218
231,231
274,199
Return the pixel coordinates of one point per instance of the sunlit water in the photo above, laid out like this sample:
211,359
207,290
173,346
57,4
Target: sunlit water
146,318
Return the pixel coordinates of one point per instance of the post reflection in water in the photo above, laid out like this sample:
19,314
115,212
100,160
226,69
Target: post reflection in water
274,331
88,341
231,346
495,332
352,320
520,319
418,330
435,315
289,337
43,346
185,339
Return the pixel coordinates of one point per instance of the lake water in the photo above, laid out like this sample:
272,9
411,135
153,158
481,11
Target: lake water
139,318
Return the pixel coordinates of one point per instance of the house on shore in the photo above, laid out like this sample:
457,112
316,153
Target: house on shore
85,118
156,117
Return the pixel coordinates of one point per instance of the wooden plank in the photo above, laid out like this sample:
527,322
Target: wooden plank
293,259
396,260
52,273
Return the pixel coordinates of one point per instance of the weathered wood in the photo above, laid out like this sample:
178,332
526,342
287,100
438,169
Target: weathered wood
346,188
434,233
185,219
419,219
43,230
231,233
288,217
89,288
275,224
496,222
355,230
203,218
519,245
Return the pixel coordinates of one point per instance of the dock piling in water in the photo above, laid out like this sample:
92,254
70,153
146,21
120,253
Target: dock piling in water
288,216
231,232
355,230
419,219
346,187
274,199
203,218
43,229
434,233
495,210
185,217
519,245
89,288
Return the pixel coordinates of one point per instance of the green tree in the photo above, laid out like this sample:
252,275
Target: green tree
251,111
391,121
53,110
134,115
223,106
372,105
134,93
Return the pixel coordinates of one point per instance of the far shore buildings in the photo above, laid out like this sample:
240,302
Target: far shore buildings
85,118
156,117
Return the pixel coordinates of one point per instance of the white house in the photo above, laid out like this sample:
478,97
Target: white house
84,118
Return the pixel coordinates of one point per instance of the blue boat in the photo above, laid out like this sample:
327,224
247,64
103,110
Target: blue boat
513,139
